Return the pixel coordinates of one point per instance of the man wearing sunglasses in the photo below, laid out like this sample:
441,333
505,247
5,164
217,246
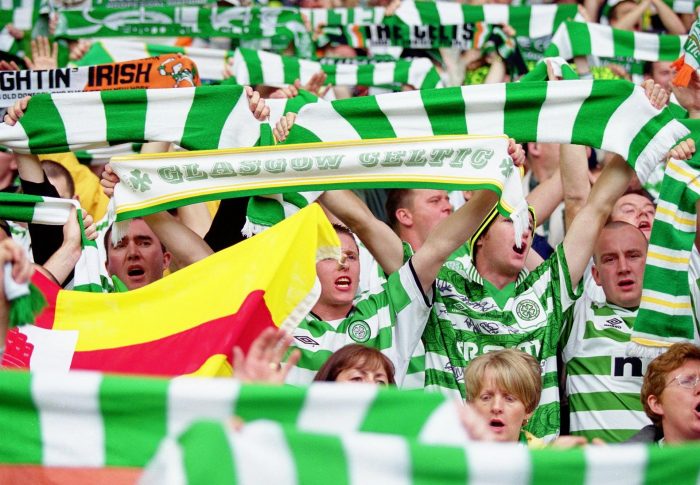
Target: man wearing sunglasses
671,396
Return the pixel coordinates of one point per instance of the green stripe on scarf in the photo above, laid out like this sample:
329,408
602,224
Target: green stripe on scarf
49,210
121,420
258,67
356,457
582,39
666,312
599,116
194,118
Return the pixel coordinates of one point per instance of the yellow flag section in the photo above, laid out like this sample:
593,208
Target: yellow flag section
189,321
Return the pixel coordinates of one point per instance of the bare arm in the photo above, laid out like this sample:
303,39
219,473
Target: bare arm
381,241
497,70
584,230
546,197
629,21
29,168
13,253
449,234
184,244
672,22
62,262
574,179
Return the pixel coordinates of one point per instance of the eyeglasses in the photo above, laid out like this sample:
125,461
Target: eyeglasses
687,381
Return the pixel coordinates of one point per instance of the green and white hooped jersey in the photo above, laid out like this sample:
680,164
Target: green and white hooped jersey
391,321
602,383
373,279
466,322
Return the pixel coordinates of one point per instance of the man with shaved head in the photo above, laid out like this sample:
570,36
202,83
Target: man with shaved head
602,383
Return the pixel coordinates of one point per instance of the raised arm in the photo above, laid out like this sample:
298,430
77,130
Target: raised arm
584,230
449,234
544,199
672,22
184,244
574,178
630,19
380,240
11,252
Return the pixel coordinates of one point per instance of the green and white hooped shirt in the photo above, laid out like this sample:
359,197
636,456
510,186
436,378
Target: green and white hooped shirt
391,320
470,317
603,384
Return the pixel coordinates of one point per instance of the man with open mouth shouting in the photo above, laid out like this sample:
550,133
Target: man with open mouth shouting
139,258
488,301
602,383
391,318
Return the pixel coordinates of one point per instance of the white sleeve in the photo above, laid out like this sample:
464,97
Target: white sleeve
411,319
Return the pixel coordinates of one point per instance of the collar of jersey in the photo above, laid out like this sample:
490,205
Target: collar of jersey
474,276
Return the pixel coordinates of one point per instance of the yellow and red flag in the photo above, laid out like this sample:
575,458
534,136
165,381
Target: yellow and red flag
187,322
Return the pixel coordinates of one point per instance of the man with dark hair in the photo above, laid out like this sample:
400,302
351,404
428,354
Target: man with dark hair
412,213
391,318
661,72
139,258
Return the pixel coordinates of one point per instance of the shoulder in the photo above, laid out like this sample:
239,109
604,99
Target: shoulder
648,434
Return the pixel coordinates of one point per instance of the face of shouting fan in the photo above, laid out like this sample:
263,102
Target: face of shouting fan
503,411
339,280
138,259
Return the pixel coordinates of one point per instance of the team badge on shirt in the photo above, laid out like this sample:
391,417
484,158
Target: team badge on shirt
528,311
359,331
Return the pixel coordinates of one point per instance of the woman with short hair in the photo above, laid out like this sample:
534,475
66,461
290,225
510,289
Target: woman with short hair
504,387
357,363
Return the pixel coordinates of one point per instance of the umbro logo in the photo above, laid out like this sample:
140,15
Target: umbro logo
613,323
306,340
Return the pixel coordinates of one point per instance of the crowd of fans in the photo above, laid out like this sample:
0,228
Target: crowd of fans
424,275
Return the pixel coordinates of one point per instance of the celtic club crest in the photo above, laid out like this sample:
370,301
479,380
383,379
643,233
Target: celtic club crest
527,310
359,332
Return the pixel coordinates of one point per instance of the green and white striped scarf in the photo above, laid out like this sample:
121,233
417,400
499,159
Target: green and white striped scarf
531,21
211,452
100,156
583,39
683,6
151,183
396,34
89,274
259,67
194,118
666,312
20,13
689,61
276,27
87,419
88,4
613,115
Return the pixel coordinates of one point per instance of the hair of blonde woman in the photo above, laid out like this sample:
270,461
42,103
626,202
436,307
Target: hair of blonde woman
513,371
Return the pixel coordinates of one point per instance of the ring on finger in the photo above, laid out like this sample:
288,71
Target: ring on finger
275,366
